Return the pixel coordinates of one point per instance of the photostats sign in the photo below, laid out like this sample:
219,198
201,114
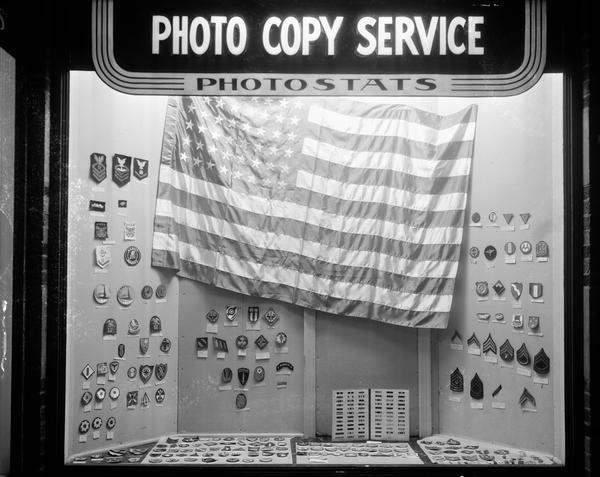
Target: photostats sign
271,47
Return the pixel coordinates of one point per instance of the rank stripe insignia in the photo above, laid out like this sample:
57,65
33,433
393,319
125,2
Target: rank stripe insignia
121,169
456,381
98,167
497,390
507,352
525,397
523,355
476,387
541,362
473,341
489,345
456,337
140,168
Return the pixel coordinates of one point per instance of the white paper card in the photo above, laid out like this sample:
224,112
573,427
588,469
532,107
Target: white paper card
517,304
112,377
525,227
83,438
498,405
455,398
531,333
539,380
212,327
225,387
96,435
101,380
490,358
523,371
202,353
510,259
499,298
490,265
110,435
456,346
113,405
508,228
87,408
253,326
263,355
473,260
85,385
284,371
476,405
109,338
221,355
473,224
526,258
542,259
230,324
482,298
242,352
281,350
537,300
475,351
98,406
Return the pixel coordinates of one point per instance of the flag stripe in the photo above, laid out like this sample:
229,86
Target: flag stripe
275,257
277,291
367,126
367,240
313,216
385,160
315,250
307,282
381,194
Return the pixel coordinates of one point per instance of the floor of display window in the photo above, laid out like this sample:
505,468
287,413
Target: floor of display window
191,449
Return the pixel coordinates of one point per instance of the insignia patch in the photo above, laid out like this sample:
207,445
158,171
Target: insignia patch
241,401
121,204
231,313
161,291
146,372
533,322
121,169
456,381
525,247
219,344
259,374
489,345
483,316
100,230
280,338
134,327
125,295
516,289
243,375
493,217
261,342
101,294
253,312
84,426
212,316
226,375
114,367
109,328
523,355
145,400
100,394
475,218
132,256
160,371
525,217
132,372
147,292
144,345
490,252
498,288
165,345
517,321
86,398
536,290
97,206
284,365
155,325
271,317
508,218
456,337
497,390
476,387
201,343
541,362
474,252
114,393
481,288
111,422
140,169
499,316
241,342
121,350
510,248
128,230
541,249
102,256
159,396
473,341
97,167
526,397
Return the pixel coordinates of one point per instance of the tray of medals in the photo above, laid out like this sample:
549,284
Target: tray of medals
195,449
352,453
448,450
125,455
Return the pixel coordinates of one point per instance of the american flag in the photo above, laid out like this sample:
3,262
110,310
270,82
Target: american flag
342,206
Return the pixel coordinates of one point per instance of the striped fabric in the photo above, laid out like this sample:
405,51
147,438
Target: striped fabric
351,208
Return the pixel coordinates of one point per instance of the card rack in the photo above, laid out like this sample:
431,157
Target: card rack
350,420
390,414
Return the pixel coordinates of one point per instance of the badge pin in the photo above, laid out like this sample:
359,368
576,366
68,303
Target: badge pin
536,290
86,398
155,325
165,345
134,327
132,372
121,204
160,371
226,375
475,217
253,312
541,249
128,230
100,230
525,247
201,343
144,345
533,322
492,217
516,289
510,248
474,252
121,169
490,252
271,317
456,381
109,328
212,316
111,422
140,169
259,374
261,342
241,401
100,394
161,291
241,342
499,316
498,288
98,167
147,292
121,350
523,355
280,338
483,316
159,396
481,288
84,426
517,321
114,367
497,390
101,294
114,393
125,295
132,256
476,387
508,218
243,375
102,253
541,362
146,372
231,313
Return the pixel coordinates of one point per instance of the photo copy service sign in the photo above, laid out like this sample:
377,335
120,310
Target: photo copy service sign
270,47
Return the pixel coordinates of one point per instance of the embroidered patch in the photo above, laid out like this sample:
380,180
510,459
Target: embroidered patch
100,394
241,401
483,316
160,371
155,325
525,217
533,322
499,316
146,372
271,317
536,290
541,362
109,328
456,337
140,169
201,343
523,355
114,367
489,345
165,345
129,231
253,313
481,288
84,426
475,217
114,393
159,396
510,248
101,294
86,398
132,256
147,292
100,230
541,249
261,342
121,350
473,341
474,252
231,312
212,316
456,381
259,374
241,342
161,291
476,387
280,338
499,288
220,344
516,289
111,422
145,400
497,390
508,218
97,167
132,372
134,327
507,352
125,295
226,375
121,169
144,345
490,252
492,217
526,397
243,375
517,321
103,257
132,398
525,247
97,206
284,365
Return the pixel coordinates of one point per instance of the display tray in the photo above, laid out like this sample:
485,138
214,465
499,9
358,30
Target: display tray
195,449
443,449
